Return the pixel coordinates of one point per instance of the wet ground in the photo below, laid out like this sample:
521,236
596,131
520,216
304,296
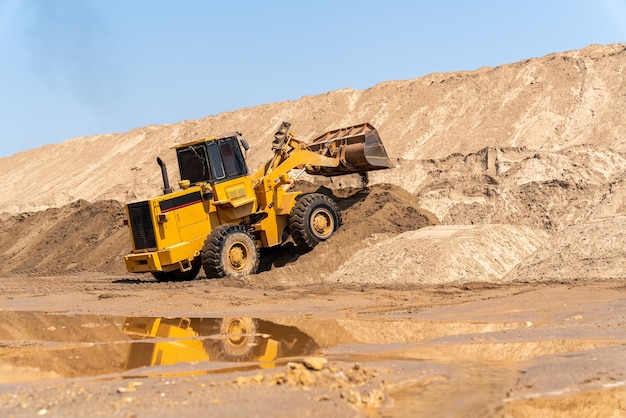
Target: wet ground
110,346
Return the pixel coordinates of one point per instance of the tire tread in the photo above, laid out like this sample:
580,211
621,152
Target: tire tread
299,223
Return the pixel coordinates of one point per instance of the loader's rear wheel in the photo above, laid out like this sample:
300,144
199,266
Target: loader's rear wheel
314,218
231,251
178,275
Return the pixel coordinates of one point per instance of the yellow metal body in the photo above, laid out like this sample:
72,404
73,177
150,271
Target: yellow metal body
262,201
180,233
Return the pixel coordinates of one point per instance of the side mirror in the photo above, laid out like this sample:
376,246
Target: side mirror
244,144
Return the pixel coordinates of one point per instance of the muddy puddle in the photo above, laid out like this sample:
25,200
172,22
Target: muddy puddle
433,365
36,346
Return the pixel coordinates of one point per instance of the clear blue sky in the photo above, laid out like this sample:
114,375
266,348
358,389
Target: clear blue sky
73,68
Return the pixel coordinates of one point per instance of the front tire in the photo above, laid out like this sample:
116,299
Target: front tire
230,251
313,219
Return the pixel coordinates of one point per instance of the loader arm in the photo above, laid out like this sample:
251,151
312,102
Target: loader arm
272,183
356,149
296,158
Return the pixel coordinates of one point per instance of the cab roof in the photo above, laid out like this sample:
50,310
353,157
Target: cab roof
207,139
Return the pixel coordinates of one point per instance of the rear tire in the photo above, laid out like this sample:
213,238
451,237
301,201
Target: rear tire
313,219
178,275
229,251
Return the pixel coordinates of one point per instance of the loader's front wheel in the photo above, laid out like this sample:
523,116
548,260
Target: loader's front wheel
230,251
314,218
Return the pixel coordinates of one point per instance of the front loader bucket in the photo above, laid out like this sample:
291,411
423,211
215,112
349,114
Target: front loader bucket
358,148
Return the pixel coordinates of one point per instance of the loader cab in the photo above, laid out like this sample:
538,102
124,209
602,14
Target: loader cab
220,163
212,160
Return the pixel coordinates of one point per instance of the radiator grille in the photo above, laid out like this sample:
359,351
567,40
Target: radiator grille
141,225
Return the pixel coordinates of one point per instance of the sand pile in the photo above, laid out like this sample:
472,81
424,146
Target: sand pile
591,250
442,254
76,238
540,189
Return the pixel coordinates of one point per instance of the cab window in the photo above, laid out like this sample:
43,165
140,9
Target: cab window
194,164
212,161
216,161
233,161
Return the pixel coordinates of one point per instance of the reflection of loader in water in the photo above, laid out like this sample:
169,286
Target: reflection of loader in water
162,341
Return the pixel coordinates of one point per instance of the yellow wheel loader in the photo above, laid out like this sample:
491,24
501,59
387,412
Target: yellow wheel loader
222,214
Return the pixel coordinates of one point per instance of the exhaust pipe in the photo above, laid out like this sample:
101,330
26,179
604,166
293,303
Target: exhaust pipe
166,182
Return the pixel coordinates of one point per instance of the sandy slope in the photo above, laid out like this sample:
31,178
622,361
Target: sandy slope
442,254
546,104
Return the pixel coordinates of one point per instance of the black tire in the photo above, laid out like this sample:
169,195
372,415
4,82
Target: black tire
177,275
230,251
313,219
